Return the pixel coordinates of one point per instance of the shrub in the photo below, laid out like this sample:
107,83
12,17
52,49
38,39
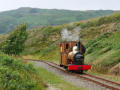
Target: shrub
15,75
14,44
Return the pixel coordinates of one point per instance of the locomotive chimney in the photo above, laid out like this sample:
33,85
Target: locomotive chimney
78,45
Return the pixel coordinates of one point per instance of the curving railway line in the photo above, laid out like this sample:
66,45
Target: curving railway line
112,85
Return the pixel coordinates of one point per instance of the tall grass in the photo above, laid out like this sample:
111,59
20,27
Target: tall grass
105,50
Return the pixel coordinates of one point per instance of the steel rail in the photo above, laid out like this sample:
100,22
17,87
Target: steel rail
54,65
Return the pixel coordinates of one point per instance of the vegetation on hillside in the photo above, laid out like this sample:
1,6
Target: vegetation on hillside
114,18
16,75
14,44
104,51
100,36
40,17
3,37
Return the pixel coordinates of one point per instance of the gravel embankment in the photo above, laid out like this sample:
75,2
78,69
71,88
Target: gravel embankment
70,78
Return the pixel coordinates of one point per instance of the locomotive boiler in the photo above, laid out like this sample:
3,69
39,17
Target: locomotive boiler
72,56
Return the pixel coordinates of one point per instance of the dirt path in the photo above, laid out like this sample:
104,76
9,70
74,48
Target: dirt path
50,87
78,82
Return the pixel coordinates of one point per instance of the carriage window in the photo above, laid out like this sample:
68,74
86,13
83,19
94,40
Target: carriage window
67,46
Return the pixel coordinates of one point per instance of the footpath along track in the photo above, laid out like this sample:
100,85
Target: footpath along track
95,79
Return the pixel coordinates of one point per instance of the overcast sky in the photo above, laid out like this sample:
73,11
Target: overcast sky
61,4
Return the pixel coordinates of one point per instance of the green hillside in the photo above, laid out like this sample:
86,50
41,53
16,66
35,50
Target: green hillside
35,17
100,36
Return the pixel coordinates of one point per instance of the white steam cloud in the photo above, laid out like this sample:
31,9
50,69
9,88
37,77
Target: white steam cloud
70,35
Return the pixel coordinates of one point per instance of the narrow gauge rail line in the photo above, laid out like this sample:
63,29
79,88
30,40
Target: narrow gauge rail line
97,77
112,85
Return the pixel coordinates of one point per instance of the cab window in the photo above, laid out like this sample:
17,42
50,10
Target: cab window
67,46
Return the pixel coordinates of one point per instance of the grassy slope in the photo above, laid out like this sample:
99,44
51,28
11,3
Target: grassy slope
101,37
40,17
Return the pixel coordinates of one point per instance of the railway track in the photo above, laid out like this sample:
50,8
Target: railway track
95,79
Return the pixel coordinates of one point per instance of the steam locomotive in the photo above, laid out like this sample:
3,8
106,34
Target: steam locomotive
72,56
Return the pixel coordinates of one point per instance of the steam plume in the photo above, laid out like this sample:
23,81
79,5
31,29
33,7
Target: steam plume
70,35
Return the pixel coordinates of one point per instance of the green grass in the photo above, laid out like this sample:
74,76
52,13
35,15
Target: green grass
56,80
104,52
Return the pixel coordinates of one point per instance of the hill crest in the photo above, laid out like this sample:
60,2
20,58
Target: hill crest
36,17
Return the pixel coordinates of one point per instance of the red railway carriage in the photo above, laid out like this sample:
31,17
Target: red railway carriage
72,56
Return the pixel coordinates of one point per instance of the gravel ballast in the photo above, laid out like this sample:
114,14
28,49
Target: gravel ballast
79,82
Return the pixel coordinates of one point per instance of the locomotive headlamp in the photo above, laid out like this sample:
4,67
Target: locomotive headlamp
61,48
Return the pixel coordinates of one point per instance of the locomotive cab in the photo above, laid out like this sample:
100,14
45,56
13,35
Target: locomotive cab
72,56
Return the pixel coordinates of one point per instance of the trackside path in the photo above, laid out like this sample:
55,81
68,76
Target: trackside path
78,82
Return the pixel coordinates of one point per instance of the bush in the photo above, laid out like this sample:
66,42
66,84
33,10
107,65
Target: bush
15,75
14,44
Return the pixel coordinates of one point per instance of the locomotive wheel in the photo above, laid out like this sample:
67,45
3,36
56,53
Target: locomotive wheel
65,67
81,71
61,65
